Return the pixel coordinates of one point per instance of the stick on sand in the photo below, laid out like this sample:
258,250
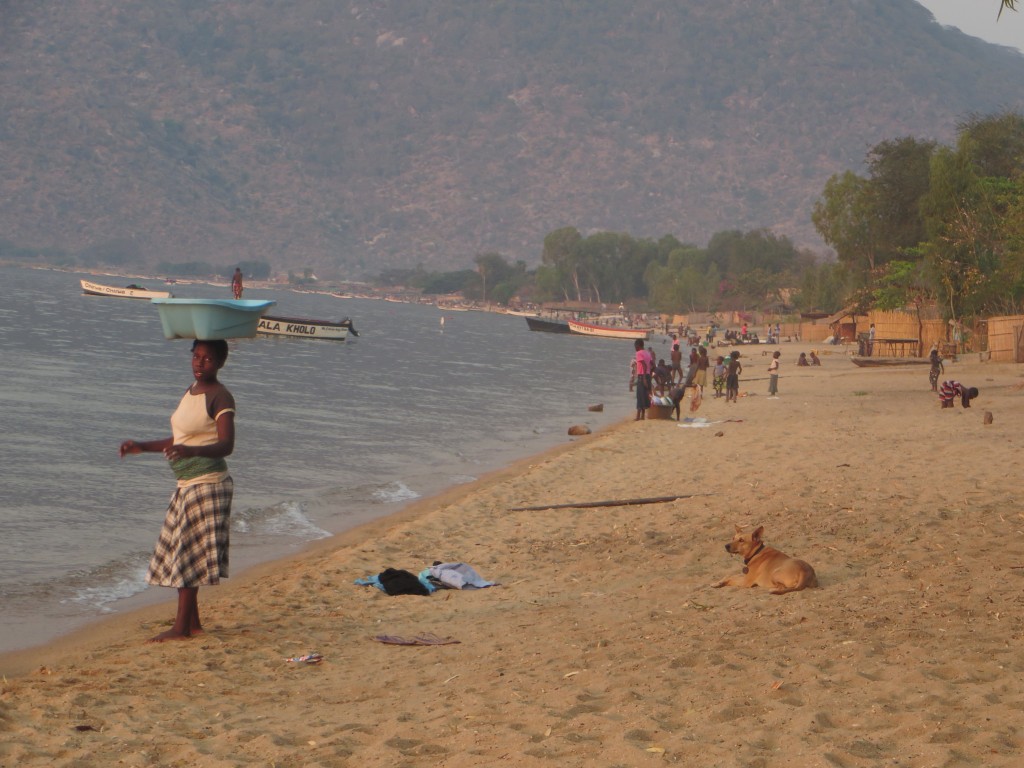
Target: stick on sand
609,503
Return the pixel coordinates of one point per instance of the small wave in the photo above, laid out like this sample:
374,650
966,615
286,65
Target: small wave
101,587
393,493
285,519
462,479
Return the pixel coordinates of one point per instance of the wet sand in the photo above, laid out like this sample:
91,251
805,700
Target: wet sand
605,644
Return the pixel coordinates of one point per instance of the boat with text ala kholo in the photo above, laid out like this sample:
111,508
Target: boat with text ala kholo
128,292
306,329
609,331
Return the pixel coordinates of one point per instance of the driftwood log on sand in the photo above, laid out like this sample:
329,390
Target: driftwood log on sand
609,503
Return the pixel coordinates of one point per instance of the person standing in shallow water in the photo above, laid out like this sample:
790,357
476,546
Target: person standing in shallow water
640,379
192,550
236,283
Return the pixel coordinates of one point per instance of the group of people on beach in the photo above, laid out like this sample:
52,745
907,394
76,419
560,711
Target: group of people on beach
658,380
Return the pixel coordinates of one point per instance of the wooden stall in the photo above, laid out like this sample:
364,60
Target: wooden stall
1006,339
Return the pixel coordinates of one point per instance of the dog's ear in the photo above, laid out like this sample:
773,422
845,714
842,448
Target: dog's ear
758,532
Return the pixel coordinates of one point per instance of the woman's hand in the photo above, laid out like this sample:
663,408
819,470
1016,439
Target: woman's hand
175,452
129,446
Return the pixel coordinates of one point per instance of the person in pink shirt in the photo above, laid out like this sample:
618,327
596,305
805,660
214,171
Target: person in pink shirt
640,378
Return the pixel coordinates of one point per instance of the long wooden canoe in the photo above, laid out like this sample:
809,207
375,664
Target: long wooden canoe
883,362
129,292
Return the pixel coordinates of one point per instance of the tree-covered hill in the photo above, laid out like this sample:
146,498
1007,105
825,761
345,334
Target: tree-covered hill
352,137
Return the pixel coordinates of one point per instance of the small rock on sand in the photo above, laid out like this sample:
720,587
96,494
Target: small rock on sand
579,429
599,408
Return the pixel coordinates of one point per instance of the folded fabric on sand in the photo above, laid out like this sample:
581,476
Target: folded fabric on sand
695,422
395,581
456,576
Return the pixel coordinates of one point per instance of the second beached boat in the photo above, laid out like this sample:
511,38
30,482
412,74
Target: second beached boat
305,328
609,331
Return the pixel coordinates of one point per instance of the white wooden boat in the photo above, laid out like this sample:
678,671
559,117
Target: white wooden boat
609,331
304,328
208,319
129,292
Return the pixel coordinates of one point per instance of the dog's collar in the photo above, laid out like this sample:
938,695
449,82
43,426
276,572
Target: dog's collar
746,560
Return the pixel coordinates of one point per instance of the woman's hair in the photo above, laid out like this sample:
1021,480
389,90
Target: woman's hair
218,346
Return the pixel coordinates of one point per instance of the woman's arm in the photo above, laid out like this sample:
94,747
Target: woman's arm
145,446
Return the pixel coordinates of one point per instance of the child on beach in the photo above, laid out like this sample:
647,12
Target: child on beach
662,378
676,356
802,360
953,389
814,357
192,550
719,376
773,375
700,379
732,377
936,369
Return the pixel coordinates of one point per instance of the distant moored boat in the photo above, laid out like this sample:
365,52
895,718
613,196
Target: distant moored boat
129,292
547,326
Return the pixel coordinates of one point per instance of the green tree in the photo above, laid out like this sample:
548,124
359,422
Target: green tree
845,219
492,266
823,287
548,282
443,283
901,284
971,212
957,245
899,172
993,144
561,251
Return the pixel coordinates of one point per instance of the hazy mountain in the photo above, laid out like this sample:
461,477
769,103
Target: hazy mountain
353,136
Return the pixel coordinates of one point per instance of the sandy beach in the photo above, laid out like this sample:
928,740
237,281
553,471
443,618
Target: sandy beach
605,644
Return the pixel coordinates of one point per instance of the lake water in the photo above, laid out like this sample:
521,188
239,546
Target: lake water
329,434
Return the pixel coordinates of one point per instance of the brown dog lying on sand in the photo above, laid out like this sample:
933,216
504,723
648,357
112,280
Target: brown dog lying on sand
764,566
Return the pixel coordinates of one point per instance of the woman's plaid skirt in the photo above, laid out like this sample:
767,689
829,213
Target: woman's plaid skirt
193,547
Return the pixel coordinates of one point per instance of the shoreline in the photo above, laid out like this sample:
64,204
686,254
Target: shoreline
20,662
277,510
605,643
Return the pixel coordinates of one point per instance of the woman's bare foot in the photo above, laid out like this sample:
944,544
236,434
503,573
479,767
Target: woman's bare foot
170,634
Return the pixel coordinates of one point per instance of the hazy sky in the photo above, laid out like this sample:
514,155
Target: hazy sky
978,19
